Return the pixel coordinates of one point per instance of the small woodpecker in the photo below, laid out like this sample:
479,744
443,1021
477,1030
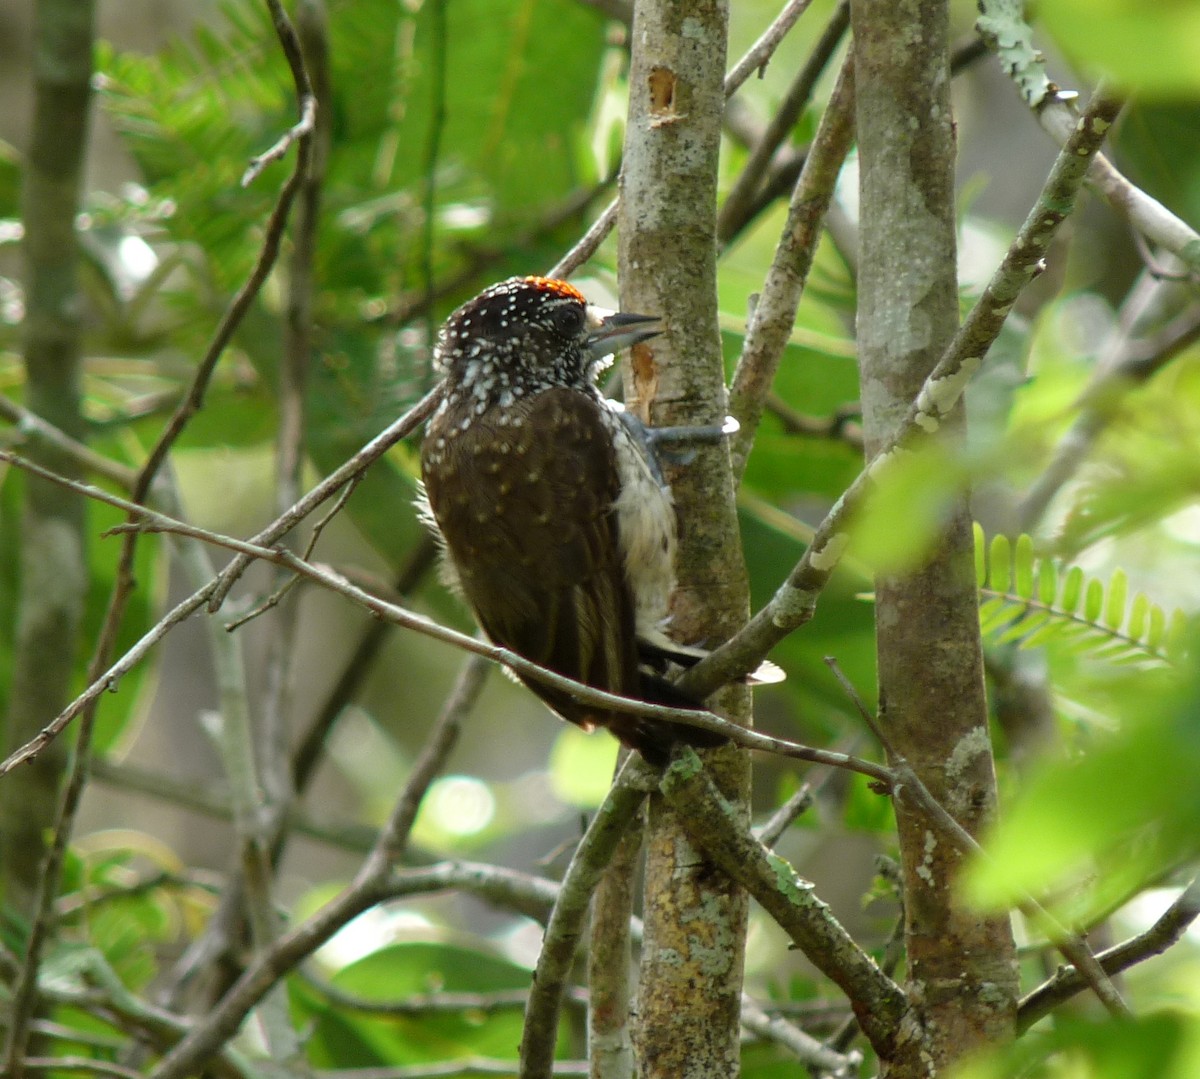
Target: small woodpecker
556,531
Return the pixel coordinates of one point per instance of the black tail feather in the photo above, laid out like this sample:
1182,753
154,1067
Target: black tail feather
653,738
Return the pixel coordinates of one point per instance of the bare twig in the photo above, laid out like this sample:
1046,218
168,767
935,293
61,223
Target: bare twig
33,428
1068,981
455,1069
109,678
587,245
736,210
327,488
785,816
909,784
153,521
760,53
498,1000
775,313
803,1046
1101,403
756,57
201,797
565,928
843,424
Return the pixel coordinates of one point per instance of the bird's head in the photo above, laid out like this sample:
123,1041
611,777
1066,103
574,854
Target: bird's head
534,329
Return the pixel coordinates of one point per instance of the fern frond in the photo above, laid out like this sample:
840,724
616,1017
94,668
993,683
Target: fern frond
1033,601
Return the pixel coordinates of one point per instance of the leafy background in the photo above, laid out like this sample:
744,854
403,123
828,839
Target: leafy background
1105,821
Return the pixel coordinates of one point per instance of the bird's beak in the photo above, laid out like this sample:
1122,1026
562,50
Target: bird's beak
611,331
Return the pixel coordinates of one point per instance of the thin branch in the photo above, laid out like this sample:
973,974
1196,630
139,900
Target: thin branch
1068,981
509,890
82,1065
109,678
31,427
843,424
1002,25
803,1046
795,601
200,797
300,130
775,313
97,989
153,521
755,58
610,960
454,1069
736,210
908,783
1101,403
760,53
588,244
565,928
327,488
438,745
374,883
785,816
425,1004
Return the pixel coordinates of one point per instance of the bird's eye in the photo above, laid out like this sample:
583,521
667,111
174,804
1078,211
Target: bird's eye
568,319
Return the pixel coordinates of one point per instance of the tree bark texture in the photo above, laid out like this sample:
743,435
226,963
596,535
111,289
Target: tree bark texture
53,561
961,966
689,997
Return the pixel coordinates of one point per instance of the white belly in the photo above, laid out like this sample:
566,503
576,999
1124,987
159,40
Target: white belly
647,530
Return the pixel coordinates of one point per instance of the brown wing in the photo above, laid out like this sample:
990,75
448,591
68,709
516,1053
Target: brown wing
524,499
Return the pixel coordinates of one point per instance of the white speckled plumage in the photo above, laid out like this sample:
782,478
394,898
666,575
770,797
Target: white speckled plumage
555,529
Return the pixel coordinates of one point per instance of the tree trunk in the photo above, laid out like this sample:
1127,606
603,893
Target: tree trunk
53,558
961,966
689,1001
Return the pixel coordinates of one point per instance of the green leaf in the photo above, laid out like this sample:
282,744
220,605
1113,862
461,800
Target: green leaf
1138,615
1072,590
343,1037
1025,612
1119,806
1000,562
906,509
1160,1045
980,554
1150,49
1047,581
1114,608
1023,564
1158,627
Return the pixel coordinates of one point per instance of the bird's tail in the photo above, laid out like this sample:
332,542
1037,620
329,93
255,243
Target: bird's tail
653,738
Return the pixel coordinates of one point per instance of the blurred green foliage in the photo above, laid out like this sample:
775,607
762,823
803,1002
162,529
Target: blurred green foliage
526,153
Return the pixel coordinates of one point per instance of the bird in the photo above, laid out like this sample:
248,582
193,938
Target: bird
555,526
